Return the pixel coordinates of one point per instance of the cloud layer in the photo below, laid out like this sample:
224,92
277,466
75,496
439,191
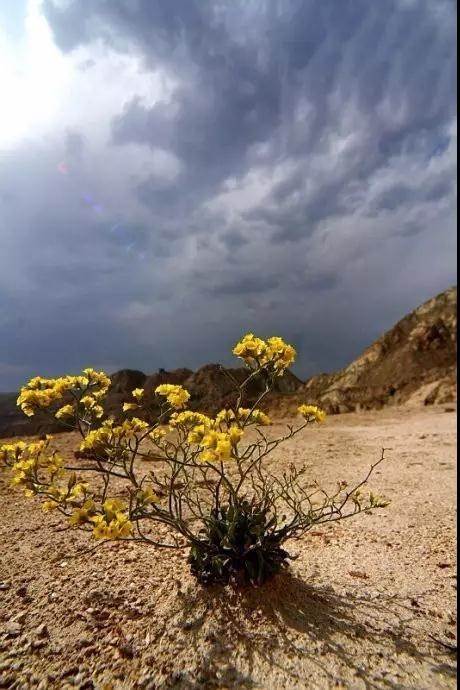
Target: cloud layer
213,167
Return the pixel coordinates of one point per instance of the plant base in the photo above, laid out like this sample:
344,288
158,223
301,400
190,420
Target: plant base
255,566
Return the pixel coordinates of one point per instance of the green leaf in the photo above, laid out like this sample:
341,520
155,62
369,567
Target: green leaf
72,481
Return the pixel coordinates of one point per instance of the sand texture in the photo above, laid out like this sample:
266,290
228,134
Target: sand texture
368,603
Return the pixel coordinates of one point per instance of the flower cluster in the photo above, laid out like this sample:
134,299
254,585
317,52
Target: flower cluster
176,396
39,471
113,523
312,413
158,434
217,438
217,445
29,461
146,496
59,496
189,419
87,390
109,436
253,416
273,354
138,394
11,452
83,514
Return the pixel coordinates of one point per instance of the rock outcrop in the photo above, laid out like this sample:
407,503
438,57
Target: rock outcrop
414,362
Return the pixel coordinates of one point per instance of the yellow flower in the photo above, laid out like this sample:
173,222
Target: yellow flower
130,406
280,354
235,434
18,478
197,434
41,393
12,451
66,411
78,381
47,506
78,491
226,416
217,445
97,379
100,529
112,506
110,437
254,417
120,527
175,395
131,427
189,419
273,354
97,439
310,412
157,434
97,411
138,393
116,528
82,515
250,349
53,463
89,402
208,456
147,495
224,448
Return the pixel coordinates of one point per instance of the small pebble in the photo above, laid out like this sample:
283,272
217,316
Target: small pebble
126,650
13,629
20,617
42,630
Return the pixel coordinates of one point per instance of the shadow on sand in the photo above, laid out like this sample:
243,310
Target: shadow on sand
289,621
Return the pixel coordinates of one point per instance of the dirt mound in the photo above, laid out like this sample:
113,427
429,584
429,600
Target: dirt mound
413,362
126,380
176,376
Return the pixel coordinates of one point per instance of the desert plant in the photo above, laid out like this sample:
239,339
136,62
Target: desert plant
211,488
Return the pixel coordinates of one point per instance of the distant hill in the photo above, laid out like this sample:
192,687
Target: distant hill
414,362
210,389
10,416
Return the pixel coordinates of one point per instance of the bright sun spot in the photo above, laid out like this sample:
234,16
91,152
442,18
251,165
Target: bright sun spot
32,73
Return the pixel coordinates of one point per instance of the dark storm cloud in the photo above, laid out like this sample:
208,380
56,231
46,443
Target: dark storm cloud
245,69
233,239
237,93
296,176
245,285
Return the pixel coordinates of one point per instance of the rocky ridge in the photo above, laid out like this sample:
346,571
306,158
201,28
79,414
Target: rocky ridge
412,363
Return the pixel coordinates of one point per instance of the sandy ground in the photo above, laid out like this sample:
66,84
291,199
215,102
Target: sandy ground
369,603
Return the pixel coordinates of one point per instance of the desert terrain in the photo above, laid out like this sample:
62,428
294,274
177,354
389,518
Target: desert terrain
368,603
